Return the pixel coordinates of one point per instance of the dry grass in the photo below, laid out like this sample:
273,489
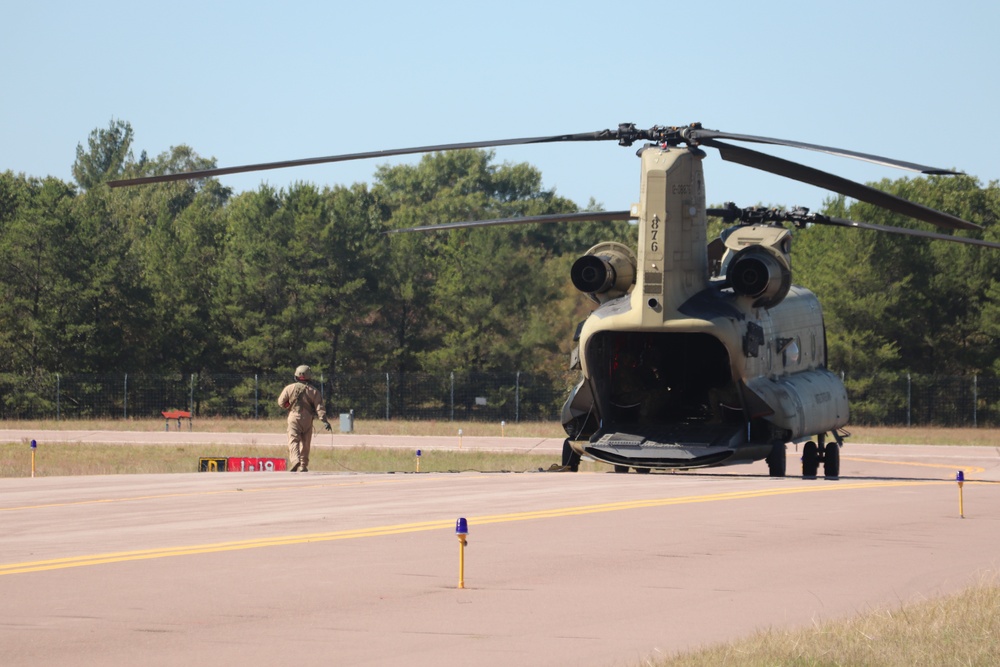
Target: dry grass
962,629
69,459
925,435
97,459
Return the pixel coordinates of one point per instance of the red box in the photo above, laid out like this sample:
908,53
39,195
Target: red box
254,464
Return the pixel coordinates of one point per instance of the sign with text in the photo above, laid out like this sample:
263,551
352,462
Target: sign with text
254,464
241,464
211,464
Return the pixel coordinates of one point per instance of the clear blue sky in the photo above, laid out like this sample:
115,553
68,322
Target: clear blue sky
250,81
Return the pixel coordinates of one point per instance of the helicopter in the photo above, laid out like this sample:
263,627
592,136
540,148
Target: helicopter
697,354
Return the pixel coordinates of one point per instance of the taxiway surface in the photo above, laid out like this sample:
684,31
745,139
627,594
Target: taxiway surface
561,568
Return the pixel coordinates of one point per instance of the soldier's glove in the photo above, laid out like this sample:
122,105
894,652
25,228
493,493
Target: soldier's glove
327,426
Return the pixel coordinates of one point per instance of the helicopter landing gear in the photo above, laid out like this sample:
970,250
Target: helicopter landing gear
828,454
776,460
810,460
831,461
621,469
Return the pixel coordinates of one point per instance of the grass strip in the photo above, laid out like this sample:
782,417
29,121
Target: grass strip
961,629
72,458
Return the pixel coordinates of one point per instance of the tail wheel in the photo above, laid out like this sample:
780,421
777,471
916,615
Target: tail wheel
621,469
810,459
831,460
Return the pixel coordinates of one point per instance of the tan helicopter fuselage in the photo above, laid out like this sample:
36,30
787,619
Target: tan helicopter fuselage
687,370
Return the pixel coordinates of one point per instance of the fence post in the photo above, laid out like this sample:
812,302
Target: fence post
126,397
387,397
191,395
975,400
256,397
909,396
58,406
453,395
517,398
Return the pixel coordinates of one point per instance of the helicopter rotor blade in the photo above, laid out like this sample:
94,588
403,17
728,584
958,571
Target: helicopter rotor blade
843,222
264,166
701,134
822,179
800,217
587,216
626,134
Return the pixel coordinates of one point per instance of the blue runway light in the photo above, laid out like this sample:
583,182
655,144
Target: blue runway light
418,452
34,444
461,527
960,477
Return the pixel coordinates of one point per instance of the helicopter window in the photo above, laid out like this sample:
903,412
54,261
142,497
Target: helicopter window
792,353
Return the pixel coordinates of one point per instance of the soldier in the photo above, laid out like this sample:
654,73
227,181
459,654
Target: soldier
304,404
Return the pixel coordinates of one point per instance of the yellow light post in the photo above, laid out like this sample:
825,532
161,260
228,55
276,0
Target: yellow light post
34,446
462,531
418,460
960,478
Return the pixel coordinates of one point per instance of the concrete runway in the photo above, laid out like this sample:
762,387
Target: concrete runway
561,569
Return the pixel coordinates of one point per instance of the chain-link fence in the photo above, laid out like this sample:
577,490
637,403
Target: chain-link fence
881,399
903,399
511,397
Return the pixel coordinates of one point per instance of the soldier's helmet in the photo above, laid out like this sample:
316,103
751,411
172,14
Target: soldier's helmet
303,373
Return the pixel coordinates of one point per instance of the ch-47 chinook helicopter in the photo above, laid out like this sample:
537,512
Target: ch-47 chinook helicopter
698,354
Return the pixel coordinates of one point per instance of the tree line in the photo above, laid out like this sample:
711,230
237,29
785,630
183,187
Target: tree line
190,277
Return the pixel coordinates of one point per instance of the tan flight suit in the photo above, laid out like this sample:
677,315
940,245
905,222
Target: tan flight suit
304,404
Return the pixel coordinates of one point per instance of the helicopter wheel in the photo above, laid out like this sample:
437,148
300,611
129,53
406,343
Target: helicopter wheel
776,460
831,461
810,460
621,469
642,471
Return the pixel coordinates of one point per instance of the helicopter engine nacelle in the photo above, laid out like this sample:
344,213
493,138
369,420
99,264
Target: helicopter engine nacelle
761,273
606,272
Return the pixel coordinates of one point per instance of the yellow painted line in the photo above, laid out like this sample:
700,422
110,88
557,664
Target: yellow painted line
945,466
125,499
683,500
98,501
399,529
189,550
